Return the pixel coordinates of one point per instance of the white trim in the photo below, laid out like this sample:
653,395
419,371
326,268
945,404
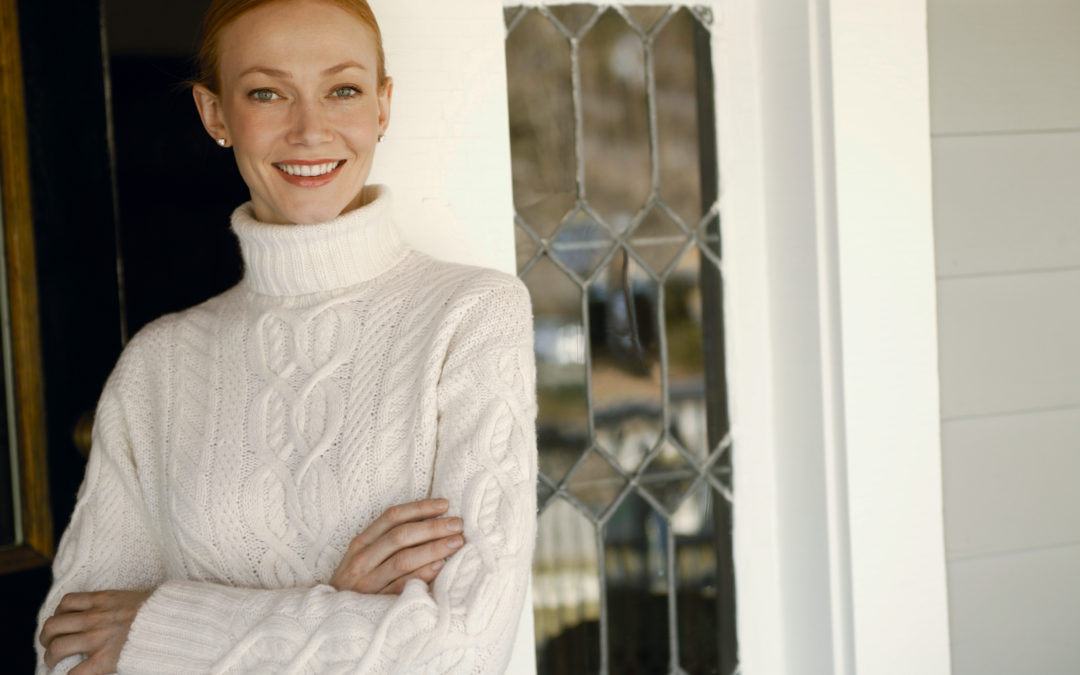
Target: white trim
880,99
831,335
832,350
756,540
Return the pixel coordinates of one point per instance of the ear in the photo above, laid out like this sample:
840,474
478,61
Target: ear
386,92
210,112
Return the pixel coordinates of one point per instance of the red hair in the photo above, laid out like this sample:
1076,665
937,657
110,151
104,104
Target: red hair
223,12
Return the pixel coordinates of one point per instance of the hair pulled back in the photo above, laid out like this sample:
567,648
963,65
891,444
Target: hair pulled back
221,13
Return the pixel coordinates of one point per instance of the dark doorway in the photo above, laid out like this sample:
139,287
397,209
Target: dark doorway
131,204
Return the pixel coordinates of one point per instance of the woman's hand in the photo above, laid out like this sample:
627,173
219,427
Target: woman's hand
408,541
94,624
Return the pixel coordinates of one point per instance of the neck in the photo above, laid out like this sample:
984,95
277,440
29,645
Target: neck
286,260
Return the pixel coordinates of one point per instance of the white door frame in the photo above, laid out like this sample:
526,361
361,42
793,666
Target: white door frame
823,117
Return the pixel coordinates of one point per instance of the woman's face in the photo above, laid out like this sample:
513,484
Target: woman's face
301,106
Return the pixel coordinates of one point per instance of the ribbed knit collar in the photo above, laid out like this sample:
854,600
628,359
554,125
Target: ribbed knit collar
288,260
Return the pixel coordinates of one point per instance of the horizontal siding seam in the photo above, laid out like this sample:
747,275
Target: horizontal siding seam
1071,407
1066,269
1004,132
1007,552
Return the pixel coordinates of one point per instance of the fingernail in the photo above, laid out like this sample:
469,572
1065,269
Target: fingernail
455,542
454,524
440,503
437,565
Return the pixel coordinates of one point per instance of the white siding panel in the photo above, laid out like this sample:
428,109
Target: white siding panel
1004,65
1010,482
1007,203
1009,343
1016,614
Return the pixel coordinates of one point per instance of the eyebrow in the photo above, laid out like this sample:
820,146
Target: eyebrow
274,72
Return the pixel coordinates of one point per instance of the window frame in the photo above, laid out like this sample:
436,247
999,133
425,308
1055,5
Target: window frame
827,382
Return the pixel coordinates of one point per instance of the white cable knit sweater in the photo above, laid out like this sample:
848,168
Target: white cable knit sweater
241,444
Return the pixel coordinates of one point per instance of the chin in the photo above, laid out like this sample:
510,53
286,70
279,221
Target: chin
310,214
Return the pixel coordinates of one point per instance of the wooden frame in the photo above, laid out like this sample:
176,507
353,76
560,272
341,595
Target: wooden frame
35,545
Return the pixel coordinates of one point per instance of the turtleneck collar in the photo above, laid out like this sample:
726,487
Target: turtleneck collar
286,260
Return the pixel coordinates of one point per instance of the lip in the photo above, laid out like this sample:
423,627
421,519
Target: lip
310,181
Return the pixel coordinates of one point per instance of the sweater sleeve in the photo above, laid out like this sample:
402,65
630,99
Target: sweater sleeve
485,465
108,543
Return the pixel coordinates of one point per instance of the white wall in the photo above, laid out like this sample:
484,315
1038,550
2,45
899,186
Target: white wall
447,153
1005,103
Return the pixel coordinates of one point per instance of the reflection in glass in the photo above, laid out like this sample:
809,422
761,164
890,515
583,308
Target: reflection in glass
573,17
541,123
720,469
658,240
562,420
646,17
582,244
511,13
525,247
638,234
677,117
635,565
618,177
566,592
627,389
596,483
668,476
695,581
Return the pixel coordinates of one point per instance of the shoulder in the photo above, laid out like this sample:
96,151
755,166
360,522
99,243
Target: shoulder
465,288
154,342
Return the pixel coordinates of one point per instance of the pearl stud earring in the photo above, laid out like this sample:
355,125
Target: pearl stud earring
221,142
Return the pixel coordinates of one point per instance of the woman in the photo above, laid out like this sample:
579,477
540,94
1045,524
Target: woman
331,466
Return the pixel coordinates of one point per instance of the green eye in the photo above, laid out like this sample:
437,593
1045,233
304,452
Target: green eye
263,95
346,92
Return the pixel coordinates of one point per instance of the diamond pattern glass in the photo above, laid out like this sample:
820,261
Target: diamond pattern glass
526,246
562,423
618,239
668,476
566,591
636,545
596,483
615,120
646,17
627,386
582,244
541,122
573,17
699,541
658,241
677,116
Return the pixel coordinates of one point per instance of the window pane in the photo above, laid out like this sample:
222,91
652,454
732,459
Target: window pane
618,240
618,177
541,123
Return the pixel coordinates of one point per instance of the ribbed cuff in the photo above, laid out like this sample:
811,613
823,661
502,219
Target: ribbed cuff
180,629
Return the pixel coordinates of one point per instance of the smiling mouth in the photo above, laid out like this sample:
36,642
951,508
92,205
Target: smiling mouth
308,170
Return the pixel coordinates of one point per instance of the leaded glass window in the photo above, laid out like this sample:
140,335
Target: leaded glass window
618,239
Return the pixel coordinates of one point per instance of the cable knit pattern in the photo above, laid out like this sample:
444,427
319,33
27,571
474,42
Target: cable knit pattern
240,445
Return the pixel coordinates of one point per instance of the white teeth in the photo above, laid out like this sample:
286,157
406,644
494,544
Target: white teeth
308,169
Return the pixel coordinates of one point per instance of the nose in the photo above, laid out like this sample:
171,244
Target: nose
308,124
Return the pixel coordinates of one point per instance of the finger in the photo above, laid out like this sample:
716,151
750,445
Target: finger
409,535
402,513
76,602
67,624
66,645
101,662
406,562
427,574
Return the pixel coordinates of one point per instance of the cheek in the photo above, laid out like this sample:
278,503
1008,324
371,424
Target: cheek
253,132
